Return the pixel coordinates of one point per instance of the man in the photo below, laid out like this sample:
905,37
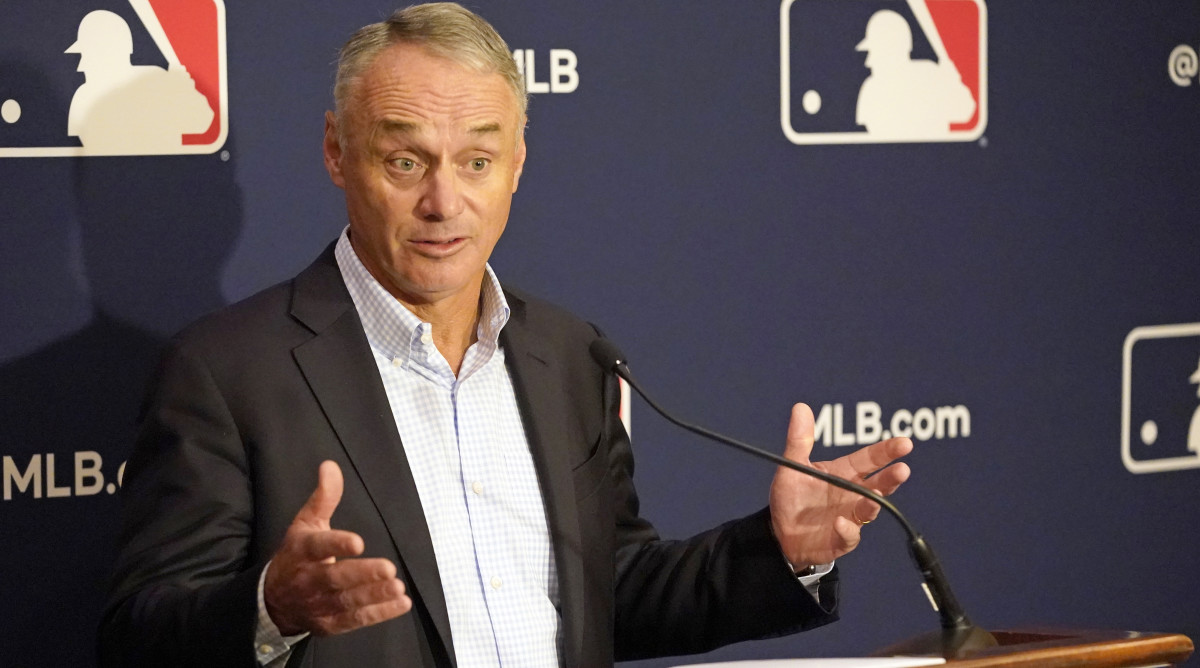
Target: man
473,503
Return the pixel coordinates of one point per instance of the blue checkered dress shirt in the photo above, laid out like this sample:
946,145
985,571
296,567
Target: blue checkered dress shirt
469,456
479,490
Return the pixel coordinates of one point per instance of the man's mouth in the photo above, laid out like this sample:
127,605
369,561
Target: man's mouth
439,247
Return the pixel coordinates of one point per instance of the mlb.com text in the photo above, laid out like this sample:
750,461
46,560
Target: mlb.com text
43,476
922,424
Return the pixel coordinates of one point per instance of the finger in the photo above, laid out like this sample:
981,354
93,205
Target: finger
318,510
866,461
849,532
322,545
800,434
365,616
381,612
866,511
889,479
372,593
351,573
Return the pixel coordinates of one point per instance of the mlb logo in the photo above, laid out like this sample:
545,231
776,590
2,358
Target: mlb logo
113,77
1160,399
883,71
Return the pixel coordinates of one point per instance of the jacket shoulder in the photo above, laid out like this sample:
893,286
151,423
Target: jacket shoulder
550,319
279,317
263,315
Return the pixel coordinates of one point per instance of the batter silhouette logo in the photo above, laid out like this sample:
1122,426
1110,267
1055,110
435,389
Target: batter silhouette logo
115,77
882,71
1160,399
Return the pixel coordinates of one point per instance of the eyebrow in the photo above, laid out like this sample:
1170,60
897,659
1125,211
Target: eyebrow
388,127
395,127
486,128
407,127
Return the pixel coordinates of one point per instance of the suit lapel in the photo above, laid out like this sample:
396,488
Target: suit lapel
339,368
542,401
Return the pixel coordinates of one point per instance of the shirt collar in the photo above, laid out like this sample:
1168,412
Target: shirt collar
397,332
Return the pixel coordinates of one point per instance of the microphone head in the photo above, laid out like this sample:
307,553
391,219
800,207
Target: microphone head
607,354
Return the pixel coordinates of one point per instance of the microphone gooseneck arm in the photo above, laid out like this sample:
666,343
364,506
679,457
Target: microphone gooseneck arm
953,620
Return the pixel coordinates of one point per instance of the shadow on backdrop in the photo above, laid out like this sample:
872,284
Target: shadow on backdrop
140,243
40,298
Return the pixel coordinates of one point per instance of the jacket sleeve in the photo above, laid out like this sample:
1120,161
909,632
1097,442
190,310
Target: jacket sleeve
184,587
725,585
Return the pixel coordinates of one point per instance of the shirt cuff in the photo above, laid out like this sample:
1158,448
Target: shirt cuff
812,580
811,576
270,647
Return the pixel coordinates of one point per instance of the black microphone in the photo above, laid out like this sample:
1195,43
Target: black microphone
957,636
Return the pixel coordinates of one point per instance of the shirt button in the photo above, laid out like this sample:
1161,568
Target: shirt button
496,583
477,487
396,361
427,338
264,649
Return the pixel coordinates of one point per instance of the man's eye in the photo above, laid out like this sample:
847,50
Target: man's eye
479,164
405,164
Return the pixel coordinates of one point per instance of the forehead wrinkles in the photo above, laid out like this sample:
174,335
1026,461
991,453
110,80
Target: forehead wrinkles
431,106
438,99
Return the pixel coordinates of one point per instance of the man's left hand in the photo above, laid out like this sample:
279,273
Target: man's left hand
815,522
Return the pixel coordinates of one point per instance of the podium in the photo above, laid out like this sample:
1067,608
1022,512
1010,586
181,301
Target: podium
1018,648
1056,647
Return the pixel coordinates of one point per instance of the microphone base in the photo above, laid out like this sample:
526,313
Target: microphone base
953,643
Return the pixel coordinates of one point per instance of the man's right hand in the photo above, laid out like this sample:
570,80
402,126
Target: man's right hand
307,589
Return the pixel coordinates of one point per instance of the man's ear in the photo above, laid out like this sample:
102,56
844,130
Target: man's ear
519,156
332,148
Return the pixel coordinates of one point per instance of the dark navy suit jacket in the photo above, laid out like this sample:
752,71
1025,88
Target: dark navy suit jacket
247,403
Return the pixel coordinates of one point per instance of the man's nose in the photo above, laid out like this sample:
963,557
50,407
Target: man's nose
442,199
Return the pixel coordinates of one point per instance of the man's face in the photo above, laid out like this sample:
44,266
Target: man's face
432,154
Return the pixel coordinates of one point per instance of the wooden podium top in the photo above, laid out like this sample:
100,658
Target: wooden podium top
1053,647
1022,648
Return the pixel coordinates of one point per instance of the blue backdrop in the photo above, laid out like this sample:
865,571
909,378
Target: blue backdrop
978,287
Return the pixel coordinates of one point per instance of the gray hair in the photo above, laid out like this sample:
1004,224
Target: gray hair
446,29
